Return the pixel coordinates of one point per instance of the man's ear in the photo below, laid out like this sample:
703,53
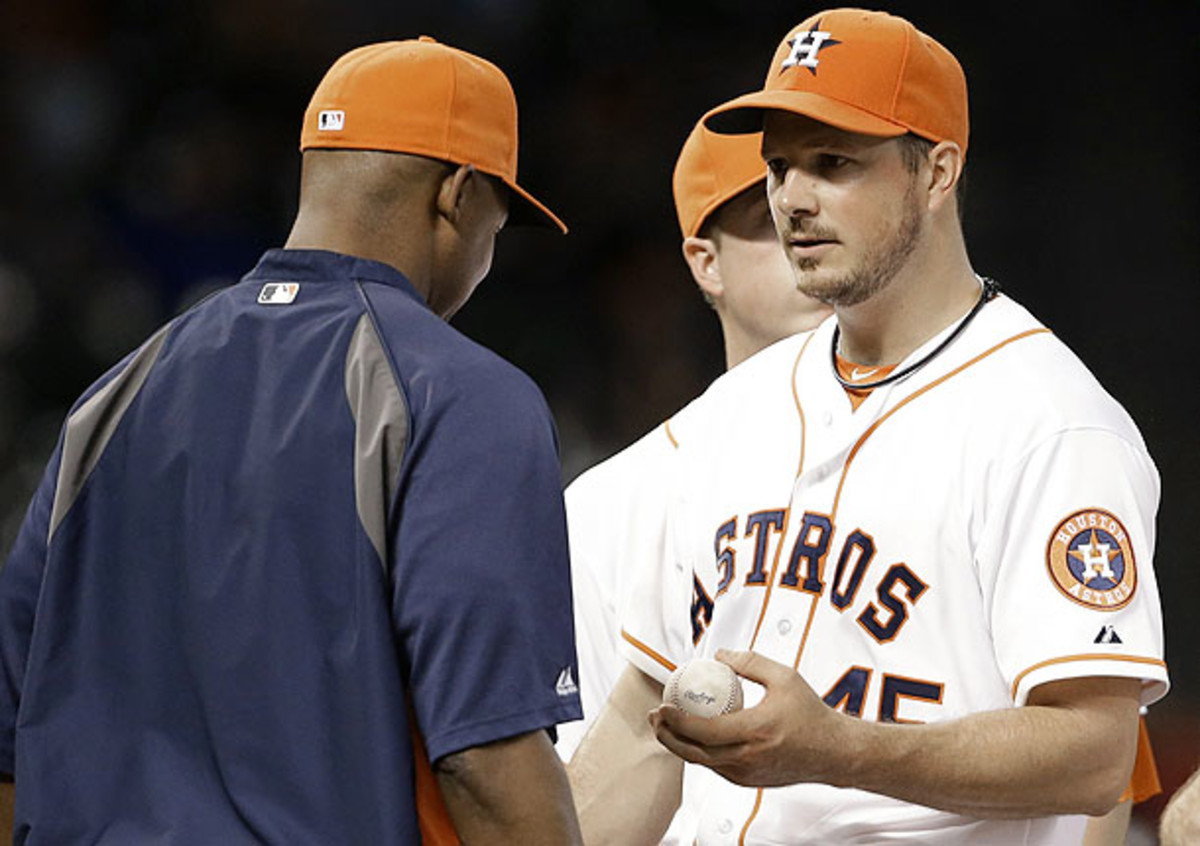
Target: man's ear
452,190
701,256
945,169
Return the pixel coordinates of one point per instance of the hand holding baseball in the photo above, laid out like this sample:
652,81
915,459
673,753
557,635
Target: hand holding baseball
786,738
705,688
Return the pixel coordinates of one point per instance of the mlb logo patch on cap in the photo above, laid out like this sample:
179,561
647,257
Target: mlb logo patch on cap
278,293
419,97
331,120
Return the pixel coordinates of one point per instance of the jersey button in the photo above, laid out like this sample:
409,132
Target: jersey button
725,827
828,418
784,627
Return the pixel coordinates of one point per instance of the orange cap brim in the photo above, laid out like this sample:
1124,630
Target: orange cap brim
745,114
528,210
715,203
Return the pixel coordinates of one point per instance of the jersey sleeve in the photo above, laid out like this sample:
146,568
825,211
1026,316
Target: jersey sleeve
482,599
20,585
610,510
1068,572
656,628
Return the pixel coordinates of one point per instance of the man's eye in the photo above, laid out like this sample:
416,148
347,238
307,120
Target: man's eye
832,161
777,167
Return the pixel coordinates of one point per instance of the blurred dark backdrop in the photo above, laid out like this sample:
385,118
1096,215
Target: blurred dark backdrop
148,154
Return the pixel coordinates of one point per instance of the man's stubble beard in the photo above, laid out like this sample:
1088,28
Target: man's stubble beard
882,261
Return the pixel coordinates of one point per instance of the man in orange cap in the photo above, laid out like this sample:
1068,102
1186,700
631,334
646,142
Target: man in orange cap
923,533
308,538
730,247
735,259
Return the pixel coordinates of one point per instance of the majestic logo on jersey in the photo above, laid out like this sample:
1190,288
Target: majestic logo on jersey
278,293
805,47
1090,559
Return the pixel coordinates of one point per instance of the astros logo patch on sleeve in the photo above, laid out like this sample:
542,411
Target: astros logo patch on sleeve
1090,559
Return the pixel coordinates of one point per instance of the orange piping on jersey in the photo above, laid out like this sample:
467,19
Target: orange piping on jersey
670,434
787,515
799,408
1133,659
838,496
753,814
871,430
646,650
812,613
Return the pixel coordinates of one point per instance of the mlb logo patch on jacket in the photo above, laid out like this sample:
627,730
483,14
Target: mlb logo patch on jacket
278,293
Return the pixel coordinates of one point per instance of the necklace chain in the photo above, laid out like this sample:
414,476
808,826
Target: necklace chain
990,288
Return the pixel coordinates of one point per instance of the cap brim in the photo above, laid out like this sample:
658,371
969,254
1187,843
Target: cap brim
525,210
744,115
724,197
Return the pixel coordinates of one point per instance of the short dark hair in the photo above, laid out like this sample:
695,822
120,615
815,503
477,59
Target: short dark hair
914,150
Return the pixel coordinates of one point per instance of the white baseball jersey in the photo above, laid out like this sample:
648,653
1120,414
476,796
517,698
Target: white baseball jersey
611,509
977,529
619,499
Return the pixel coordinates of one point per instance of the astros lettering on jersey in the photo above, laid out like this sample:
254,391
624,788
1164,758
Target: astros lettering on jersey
977,529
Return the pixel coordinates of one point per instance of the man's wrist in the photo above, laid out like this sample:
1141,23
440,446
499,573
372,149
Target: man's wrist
847,745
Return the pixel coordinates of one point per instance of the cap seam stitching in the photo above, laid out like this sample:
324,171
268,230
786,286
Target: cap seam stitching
900,77
352,66
453,96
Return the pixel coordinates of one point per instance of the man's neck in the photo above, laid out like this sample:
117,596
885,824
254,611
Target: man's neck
924,298
316,229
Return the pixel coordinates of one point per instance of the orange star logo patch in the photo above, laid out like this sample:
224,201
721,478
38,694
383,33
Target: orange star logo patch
1090,559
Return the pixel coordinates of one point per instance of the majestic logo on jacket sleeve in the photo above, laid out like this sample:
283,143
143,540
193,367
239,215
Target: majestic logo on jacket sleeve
1090,558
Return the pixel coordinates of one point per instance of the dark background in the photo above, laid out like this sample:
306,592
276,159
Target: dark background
148,154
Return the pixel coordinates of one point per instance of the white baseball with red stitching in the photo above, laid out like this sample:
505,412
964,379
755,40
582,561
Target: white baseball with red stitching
704,687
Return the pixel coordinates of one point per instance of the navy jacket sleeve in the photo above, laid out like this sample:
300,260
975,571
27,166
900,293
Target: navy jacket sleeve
20,584
481,573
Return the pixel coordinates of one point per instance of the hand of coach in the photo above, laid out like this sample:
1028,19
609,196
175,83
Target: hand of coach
1083,732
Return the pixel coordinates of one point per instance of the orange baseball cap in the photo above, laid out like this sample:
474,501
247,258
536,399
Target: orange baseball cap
711,170
861,71
427,99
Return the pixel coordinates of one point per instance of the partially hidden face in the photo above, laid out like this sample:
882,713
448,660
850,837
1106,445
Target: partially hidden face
759,284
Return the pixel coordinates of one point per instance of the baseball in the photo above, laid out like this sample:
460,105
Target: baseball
705,688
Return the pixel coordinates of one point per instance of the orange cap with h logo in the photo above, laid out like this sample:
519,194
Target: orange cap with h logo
860,71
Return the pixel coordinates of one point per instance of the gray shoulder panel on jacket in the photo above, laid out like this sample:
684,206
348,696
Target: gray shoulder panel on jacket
91,426
381,431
